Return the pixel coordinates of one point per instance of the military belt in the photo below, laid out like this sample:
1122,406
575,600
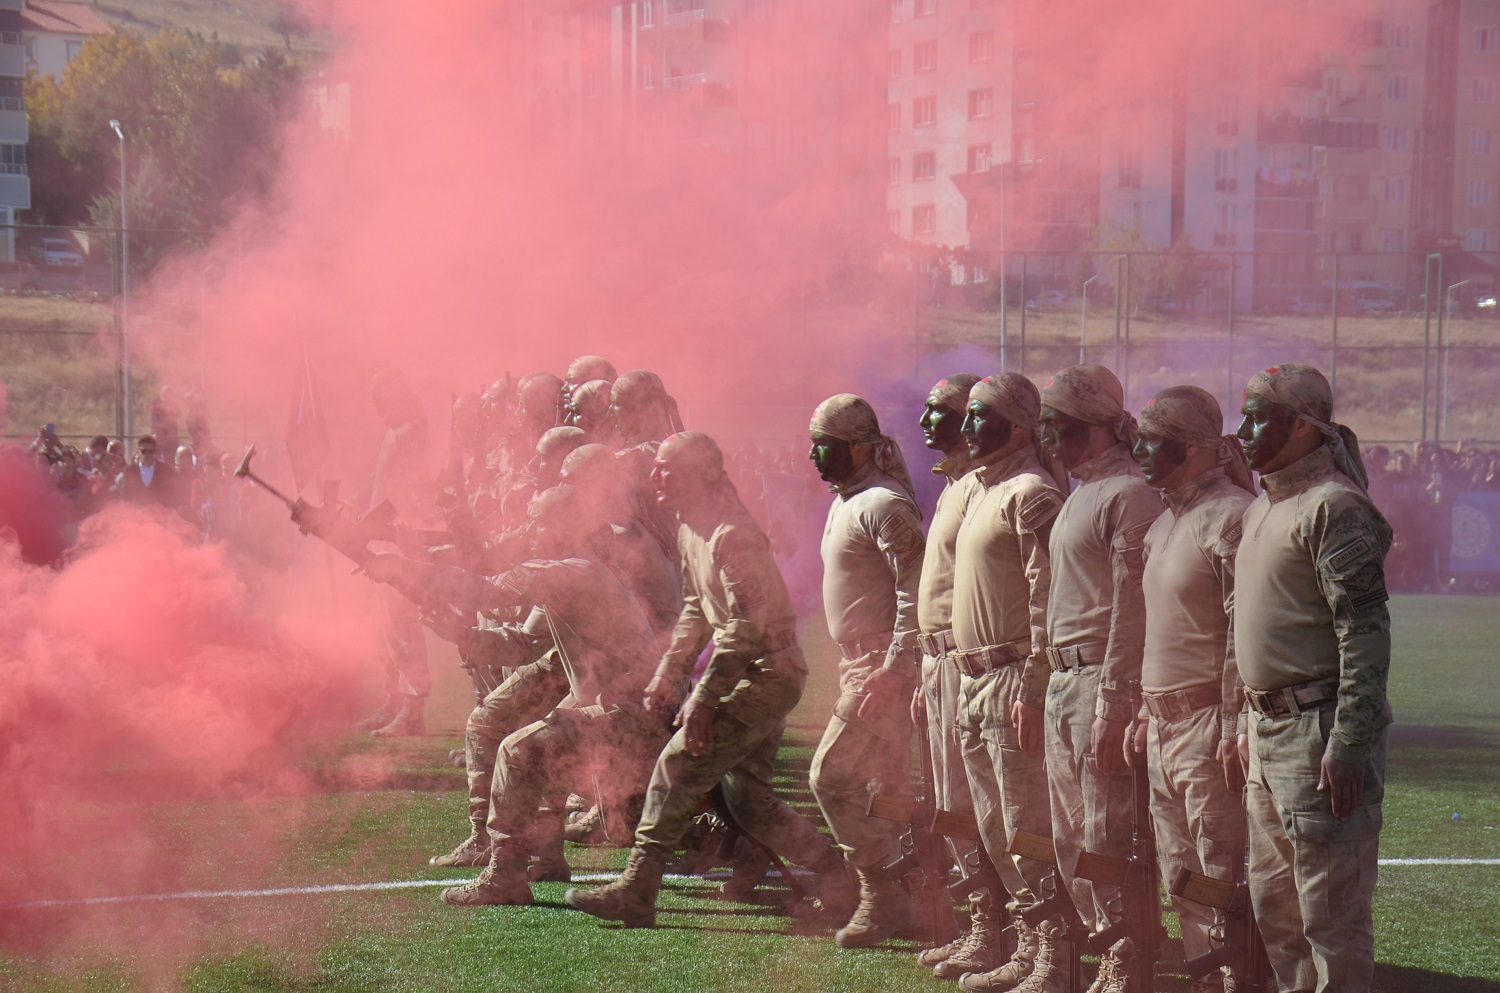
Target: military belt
975,662
1075,656
780,641
1292,701
934,645
1180,703
860,647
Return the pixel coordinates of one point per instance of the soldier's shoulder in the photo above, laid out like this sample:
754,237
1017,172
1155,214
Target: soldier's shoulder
1036,499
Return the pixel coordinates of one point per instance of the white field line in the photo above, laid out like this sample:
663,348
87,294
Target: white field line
591,877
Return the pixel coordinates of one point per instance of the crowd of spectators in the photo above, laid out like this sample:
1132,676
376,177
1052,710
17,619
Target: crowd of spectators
1416,490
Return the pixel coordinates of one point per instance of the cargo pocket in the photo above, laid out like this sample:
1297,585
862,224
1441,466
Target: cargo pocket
1336,861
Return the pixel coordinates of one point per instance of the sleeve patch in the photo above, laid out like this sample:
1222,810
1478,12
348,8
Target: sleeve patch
1037,511
1365,588
1232,536
1349,554
901,538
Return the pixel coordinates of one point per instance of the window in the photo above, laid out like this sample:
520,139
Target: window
893,221
893,117
10,93
923,166
979,158
1331,86
1395,189
1130,168
981,46
981,103
1392,240
894,69
648,75
1398,36
923,220
1227,117
73,48
924,112
1478,240
1484,89
1484,39
896,16
648,14
893,171
1397,87
1226,170
30,49
13,160
1480,192
924,57
1481,142
1398,139
926,8
1229,217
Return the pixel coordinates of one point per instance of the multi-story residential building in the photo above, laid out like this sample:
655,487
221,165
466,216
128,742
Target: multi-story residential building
53,32
15,185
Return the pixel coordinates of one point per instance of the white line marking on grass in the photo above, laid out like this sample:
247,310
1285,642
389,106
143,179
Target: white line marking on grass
409,884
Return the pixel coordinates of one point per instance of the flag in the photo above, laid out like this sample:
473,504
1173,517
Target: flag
306,431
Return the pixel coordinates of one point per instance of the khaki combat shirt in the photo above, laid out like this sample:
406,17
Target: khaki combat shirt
935,588
1189,590
872,560
1310,596
1095,597
1000,589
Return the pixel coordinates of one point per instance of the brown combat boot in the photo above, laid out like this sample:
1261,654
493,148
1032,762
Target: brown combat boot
631,899
931,958
884,909
835,887
1013,972
382,716
407,723
502,883
474,850
1051,971
548,863
1114,969
982,949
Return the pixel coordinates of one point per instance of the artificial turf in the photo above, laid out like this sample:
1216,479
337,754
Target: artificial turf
1438,927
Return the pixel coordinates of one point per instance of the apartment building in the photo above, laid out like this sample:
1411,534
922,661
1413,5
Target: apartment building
15,185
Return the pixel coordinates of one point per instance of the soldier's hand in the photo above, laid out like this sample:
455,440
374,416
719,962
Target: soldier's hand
1344,782
307,517
380,566
918,706
881,694
1242,749
1028,722
1134,747
1229,757
696,720
661,696
1107,744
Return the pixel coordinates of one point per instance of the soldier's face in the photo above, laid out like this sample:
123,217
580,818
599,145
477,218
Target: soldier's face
674,487
832,457
1160,457
1264,433
985,431
941,427
1065,437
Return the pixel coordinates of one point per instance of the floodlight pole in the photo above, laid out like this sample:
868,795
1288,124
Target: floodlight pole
127,418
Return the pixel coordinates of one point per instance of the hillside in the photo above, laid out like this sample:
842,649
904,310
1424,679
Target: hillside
248,23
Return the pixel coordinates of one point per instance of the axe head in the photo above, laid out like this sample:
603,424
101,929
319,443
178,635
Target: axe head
243,469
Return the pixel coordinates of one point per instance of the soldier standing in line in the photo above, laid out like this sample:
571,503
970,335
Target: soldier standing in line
730,727
1191,698
1001,583
1313,644
1095,633
872,561
936,699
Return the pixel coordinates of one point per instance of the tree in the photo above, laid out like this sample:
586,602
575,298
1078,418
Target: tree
289,21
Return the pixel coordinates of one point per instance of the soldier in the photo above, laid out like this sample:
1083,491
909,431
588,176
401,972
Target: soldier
586,368
872,561
642,409
730,728
588,409
1190,687
936,699
1095,633
1001,581
1312,640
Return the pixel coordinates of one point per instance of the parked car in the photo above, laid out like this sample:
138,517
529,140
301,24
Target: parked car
56,253
1049,300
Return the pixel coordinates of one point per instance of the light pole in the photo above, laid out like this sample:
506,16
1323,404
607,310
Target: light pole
1083,321
1445,342
125,388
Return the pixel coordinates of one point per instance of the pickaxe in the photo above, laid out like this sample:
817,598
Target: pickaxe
242,471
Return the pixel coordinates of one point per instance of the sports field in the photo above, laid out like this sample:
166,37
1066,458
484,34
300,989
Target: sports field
1438,924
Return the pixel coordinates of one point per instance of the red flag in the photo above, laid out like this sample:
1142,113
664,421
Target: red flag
306,431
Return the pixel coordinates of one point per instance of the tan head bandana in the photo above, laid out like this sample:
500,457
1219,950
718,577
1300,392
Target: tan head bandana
953,392
1192,416
850,418
592,398
1015,398
1092,394
1305,392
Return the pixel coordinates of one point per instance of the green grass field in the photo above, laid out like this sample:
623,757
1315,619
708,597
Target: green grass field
1438,927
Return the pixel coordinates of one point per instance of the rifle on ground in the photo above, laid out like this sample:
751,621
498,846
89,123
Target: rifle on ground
924,865
1054,901
1234,935
1137,911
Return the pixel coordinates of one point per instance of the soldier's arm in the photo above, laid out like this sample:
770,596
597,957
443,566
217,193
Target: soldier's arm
1348,540
690,634
1128,518
1035,513
899,538
1221,560
741,558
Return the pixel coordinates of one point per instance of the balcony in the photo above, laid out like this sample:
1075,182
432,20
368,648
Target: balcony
12,54
15,191
1357,212
13,120
1305,189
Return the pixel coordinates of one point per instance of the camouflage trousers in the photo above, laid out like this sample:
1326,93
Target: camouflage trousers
526,695
406,672
1199,820
606,753
1312,876
1008,785
745,736
940,678
854,753
1090,811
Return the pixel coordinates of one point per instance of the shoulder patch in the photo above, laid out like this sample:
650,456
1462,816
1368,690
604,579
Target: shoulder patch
1357,549
1232,535
1365,588
899,535
1040,509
